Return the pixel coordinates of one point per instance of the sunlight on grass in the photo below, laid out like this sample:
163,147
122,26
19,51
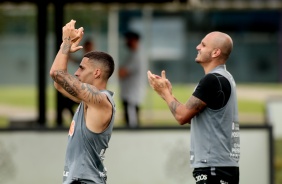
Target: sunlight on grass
4,122
251,106
26,96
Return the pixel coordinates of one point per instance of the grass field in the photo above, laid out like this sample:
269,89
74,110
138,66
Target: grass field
251,102
25,97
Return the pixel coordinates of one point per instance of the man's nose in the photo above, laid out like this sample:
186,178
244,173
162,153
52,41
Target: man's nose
76,73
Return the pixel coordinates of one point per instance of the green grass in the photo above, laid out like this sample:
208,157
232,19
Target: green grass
25,96
251,106
4,123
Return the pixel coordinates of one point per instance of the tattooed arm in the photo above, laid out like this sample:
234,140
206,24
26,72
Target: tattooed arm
71,38
76,90
183,113
97,108
63,86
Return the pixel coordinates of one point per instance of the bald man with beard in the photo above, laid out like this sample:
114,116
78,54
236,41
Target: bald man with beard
211,111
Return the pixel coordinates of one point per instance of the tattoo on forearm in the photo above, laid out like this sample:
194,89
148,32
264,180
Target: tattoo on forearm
195,103
173,106
74,87
67,81
66,47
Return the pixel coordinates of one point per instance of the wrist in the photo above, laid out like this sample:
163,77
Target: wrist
65,47
166,96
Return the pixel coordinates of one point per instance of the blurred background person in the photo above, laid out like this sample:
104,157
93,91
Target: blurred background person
133,81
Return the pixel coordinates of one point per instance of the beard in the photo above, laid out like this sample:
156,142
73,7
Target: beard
203,57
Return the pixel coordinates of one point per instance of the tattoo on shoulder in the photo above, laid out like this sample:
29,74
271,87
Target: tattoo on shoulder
173,106
92,93
195,103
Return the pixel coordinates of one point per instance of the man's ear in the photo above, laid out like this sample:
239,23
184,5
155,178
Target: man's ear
216,52
97,73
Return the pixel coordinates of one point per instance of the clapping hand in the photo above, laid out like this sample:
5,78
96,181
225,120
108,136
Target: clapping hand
160,83
72,36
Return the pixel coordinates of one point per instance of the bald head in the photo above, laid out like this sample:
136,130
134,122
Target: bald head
221,41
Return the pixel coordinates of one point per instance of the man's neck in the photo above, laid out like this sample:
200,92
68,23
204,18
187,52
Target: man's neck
100,85
209,67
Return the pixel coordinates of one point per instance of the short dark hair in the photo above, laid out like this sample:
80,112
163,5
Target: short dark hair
104,59
131,35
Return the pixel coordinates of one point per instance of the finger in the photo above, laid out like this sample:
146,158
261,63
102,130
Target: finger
72,24
167,82
81,29
149,73
163,74
79,39
80,32
150,77
68,24
77,48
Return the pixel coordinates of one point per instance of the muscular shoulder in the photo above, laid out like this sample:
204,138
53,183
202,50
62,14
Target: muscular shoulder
214,89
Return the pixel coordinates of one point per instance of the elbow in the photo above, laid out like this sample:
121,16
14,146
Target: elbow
183,121
56,86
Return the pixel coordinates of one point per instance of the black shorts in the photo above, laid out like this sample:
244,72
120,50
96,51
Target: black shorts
77,182
83,181
216,175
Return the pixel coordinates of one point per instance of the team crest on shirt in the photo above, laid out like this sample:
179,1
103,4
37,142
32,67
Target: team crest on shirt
71,130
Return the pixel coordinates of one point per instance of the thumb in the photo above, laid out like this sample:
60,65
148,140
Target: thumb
163,74
76,48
